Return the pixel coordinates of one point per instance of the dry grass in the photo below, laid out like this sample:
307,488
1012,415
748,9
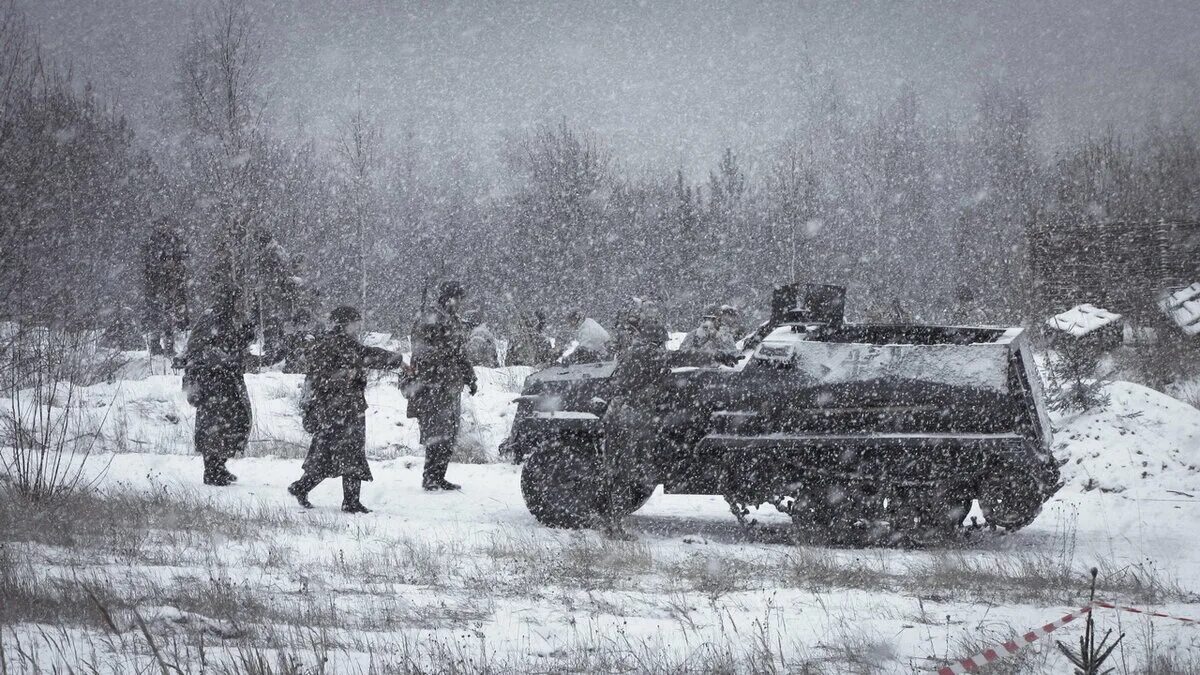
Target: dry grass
1187,391
1032,659
260,589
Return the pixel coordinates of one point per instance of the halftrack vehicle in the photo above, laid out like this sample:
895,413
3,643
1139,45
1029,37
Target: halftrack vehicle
858,432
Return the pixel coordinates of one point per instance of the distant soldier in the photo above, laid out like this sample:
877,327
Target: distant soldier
164,270
277,297
481,347
335,409
214,368
629,319
708,337
591,341
440,370
624,329
632,423
729,324
531,346
298,338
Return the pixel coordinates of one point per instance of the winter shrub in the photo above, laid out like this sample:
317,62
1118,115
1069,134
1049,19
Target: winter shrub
1187,391
43,450
1073,380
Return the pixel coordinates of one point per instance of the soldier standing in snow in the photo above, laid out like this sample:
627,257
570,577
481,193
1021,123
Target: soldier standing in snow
164,269
336,407
440,370
632,421
215,384
277,297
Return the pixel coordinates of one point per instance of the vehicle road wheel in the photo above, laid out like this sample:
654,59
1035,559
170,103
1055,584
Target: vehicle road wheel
924,517
639,494
836,513
561,487
1011,504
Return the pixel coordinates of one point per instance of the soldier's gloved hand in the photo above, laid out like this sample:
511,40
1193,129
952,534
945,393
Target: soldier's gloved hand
472,388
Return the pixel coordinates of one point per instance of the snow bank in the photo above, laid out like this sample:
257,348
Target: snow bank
1142,439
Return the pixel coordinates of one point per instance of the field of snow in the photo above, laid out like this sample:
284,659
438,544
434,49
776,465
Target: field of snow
469,582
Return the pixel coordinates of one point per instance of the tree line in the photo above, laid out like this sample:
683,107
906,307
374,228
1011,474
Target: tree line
922,214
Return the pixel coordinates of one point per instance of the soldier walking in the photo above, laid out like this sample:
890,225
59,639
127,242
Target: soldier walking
336,408
440,370
214,381
164,274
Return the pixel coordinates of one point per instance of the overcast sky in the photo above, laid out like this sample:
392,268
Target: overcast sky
666,83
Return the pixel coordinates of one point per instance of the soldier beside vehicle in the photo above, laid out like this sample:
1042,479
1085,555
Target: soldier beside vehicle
632,420
440,369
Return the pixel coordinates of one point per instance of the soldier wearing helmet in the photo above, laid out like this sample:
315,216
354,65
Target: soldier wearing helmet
440,370
335,408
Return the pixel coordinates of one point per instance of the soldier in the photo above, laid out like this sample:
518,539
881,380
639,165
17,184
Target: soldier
531,346
336,407
708,337
164,269
729,324
632,421
214,382
440,369
277,296
298,339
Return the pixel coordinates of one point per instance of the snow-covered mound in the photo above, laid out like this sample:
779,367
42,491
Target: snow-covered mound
1142,439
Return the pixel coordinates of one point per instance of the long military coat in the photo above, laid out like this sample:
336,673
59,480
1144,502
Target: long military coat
338,366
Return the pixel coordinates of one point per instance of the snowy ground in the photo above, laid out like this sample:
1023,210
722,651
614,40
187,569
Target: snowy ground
469,582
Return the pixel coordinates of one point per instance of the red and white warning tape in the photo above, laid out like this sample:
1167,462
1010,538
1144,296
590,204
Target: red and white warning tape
1135,610
1010,647
1013,646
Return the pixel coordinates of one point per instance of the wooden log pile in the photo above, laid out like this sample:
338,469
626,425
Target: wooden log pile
1121,266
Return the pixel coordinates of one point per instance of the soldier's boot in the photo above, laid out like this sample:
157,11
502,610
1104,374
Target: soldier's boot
214,472
301,488
437,460
225,472
351,489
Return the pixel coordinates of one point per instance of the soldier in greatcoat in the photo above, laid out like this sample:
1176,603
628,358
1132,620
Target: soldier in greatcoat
335,408
214,381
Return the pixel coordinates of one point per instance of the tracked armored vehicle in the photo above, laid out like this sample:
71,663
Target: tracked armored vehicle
858,432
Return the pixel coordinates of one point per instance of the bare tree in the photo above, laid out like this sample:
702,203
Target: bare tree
219,76
358,147
792,186
220,72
